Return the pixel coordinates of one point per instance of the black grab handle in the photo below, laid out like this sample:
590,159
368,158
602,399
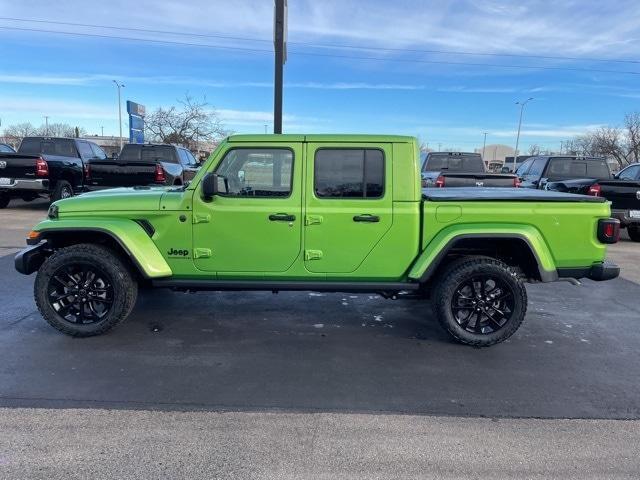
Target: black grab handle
366,218
282,217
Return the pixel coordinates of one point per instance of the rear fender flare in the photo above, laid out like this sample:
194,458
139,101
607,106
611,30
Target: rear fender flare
435,252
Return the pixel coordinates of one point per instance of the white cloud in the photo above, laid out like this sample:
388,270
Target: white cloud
37,107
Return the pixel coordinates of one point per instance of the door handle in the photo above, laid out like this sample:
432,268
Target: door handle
366,218
282,217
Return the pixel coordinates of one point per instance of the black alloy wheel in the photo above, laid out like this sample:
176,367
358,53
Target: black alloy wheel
81,293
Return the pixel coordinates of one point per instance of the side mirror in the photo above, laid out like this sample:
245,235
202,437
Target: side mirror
210,186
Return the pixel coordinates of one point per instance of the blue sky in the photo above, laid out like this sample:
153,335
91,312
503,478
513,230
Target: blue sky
405,90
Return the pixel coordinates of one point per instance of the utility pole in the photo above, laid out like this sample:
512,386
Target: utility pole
439,146
46,125
515,154
484,144
102,131
280,45
119,85
265,128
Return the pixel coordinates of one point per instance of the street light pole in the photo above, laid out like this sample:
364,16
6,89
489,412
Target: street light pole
119,85
484,144
46,125
515,154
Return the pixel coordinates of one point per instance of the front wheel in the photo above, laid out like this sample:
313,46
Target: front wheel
480,301
85,290
634,232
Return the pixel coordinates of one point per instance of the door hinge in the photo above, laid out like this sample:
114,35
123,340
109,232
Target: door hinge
312,254
313,220
201,252
201,218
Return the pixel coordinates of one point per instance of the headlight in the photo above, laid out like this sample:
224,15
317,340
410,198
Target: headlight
53,212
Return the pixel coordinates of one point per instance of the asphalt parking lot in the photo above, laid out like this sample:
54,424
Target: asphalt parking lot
298,362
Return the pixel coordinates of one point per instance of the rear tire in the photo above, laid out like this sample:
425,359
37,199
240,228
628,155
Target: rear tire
63,190
634,232
480,301
4,200
85,290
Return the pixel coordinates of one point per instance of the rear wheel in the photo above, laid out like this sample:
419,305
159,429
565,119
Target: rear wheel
63,190
4,200
634,232
480,301
85,290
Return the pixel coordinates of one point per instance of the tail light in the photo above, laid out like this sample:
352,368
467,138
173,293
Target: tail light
160,176
87,172
594,190
440,182
516,182
42,169
608,230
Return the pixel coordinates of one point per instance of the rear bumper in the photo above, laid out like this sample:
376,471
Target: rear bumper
40,185
623,216
598,272
29,259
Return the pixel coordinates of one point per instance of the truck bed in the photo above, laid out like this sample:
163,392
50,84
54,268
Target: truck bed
503,195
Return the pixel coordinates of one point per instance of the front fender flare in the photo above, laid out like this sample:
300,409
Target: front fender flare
127,233
436,250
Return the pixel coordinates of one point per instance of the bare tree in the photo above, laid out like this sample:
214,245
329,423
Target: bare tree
192,122
534,149
15,133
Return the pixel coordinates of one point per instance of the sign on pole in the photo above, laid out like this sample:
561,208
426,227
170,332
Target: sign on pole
136,121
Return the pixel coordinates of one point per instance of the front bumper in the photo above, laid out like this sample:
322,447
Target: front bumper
29,259
598,272
623,216
40,185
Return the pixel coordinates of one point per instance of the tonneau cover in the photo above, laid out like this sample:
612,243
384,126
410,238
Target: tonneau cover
502,195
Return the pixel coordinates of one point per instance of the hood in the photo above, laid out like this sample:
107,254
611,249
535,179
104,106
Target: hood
115,199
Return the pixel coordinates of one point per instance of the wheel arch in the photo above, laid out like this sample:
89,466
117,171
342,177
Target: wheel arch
514,248
128,239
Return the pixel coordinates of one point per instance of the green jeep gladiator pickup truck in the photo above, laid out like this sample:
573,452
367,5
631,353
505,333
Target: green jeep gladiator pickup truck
338,213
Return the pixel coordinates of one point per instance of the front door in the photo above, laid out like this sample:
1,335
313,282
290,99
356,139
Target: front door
254,224
348,204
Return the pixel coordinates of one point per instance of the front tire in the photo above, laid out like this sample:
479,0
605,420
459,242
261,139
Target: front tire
85,290
634,232
480,301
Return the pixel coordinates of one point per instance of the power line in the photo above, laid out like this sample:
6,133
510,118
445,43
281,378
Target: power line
315,54
327,46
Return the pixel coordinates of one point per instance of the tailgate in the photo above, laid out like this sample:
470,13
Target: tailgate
16,165
623,194
478,180
111,173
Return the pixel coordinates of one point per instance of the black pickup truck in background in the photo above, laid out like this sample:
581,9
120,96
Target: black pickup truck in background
45,166
143,164
570,174
455,169
623,191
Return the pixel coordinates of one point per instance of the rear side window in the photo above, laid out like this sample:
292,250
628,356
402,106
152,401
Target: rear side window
349,173
537,166
630,173
523,168
61,147
85,150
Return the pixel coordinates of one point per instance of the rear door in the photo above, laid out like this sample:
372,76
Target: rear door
348,204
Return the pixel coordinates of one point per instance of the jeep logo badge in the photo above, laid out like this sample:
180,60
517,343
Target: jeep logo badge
3,164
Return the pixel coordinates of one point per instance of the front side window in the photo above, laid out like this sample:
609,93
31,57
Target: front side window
537,167
349,173
523,168
85,150
256,172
